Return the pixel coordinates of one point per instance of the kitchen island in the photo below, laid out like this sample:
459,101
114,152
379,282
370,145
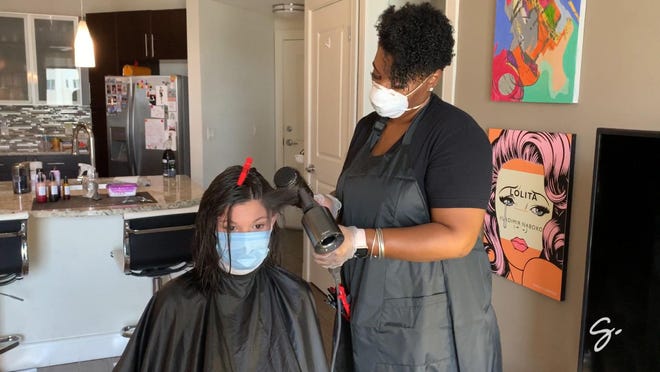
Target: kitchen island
76,298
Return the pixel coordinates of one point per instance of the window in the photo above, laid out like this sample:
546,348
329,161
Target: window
13,59
40,67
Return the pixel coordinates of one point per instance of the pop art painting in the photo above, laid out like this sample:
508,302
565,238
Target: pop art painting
527,218
537,50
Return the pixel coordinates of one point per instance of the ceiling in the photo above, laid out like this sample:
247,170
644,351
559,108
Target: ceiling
259,5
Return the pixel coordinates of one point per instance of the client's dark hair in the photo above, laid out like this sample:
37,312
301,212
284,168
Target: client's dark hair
419,40
218,199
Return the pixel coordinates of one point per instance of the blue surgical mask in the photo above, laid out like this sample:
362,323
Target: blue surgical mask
248,250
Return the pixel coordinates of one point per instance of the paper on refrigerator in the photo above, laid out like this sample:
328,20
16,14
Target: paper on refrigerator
154,133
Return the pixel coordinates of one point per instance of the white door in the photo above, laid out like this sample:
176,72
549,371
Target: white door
330,88
289,74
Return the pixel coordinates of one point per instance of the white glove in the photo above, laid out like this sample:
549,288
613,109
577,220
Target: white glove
330,202
345,252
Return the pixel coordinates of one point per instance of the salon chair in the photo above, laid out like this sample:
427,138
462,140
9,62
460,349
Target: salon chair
157,246
13,264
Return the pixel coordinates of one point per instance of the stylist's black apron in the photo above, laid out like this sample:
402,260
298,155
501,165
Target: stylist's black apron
404,314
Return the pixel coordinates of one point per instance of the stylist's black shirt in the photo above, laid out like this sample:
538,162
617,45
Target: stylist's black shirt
450,154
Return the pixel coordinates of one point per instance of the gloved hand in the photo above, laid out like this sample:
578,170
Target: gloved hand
342,254
330,202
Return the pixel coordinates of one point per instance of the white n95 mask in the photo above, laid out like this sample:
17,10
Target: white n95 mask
388,102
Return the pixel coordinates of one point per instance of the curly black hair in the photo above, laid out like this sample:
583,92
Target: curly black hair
419,40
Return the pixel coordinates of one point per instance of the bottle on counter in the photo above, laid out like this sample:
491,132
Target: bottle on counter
54,189
91,187
56,173
65,189
35,166
169,159
41,191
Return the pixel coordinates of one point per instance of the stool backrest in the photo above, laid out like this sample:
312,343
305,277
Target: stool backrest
13,250
160,245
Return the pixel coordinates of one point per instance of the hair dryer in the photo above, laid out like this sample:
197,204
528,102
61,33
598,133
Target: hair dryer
320,227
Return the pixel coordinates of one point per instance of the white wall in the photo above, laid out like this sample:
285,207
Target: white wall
290,22
232,87
370,11
195,107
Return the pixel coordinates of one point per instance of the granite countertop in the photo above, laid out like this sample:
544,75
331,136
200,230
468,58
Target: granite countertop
167,193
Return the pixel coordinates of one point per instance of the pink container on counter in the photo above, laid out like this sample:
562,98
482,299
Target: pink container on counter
121,189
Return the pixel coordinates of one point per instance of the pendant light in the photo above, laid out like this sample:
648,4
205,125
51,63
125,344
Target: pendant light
83,46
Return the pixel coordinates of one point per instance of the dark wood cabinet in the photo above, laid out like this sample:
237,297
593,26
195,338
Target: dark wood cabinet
133,41
151,35
6,163
144,37
121,38
102,27
168,28
67,163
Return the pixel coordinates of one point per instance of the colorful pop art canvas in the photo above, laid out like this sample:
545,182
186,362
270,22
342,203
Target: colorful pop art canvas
527,218
537,50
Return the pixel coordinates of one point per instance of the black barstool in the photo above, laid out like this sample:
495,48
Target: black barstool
156,246
13,264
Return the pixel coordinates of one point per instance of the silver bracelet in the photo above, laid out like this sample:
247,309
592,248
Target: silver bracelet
373,245
381,243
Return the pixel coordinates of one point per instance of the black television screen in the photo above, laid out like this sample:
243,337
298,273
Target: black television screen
621,308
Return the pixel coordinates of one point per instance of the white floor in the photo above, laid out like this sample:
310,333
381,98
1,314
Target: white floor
99,365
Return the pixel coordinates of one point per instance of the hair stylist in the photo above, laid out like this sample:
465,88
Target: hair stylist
414,189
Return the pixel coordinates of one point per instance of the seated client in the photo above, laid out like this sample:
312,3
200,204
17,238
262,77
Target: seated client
236,310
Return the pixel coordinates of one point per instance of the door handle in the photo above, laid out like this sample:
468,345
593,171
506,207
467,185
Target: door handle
310,168
146,50
153,55
290,142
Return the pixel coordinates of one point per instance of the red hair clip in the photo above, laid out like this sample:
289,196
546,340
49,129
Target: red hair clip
244,172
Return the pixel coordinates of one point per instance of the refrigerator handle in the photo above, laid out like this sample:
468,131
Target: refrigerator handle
131,127
146,50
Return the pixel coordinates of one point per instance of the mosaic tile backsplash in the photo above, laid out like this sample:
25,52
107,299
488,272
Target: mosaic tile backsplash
31,128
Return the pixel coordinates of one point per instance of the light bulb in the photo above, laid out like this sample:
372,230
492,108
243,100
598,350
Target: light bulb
83,46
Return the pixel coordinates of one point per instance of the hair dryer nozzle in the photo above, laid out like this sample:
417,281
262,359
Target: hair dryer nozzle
320,227
322,230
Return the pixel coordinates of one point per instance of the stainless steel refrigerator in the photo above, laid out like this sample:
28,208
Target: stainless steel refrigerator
145,115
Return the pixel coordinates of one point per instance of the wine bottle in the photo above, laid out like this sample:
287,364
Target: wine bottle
65,189
169,159
53,188
41,190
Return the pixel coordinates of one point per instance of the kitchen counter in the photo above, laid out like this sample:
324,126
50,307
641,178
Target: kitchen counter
169,193
76,296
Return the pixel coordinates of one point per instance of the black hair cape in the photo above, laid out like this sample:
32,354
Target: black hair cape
262,321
